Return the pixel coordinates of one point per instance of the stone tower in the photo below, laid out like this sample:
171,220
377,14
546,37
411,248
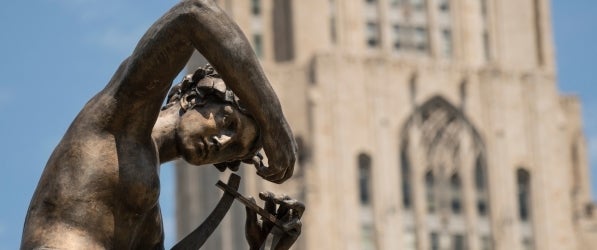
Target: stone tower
422,124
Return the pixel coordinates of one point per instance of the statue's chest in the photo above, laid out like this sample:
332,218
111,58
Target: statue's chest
139,190
138,180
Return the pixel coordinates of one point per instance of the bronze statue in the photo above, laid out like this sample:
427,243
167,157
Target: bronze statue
100,187
281,218
286,210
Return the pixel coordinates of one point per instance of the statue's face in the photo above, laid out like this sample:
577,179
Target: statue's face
213,133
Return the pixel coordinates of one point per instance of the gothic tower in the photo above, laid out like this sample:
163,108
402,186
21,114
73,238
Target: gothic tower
422,124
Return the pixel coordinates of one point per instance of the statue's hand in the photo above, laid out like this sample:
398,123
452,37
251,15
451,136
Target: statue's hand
256,230
288,211
281,150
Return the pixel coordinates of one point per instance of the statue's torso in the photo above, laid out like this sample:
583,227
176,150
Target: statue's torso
97,188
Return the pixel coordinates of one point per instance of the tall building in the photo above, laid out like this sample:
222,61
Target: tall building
422,124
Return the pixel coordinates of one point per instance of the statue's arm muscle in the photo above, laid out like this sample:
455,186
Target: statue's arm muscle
220,40
143,80
141,83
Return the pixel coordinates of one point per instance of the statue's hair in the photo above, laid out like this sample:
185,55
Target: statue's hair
203,86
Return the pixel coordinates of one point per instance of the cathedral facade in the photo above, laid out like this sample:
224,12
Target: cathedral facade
422,124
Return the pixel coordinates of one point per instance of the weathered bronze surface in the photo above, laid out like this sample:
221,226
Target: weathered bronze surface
281,218
100,187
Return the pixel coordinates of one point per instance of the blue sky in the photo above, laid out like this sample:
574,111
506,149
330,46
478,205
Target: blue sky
56,54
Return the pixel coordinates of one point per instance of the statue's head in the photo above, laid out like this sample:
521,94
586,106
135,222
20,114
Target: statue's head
214,127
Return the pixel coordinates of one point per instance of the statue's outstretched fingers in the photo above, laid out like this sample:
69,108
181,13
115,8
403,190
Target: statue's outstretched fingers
259,155
252,228
270,207
267,172
279,199
275,174
283,209
288,173
253,232
256,160
251,214
297,208
269,199
285,175
293,227
270,173
288,234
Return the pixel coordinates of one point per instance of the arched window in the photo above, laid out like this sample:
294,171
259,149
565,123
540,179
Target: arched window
480,177
364,179
456,194
283,31
481,188
256,7
333,28
367,223
257,37
576,175
445,26
485,32
406,181
409,26
372,25
539,36
447,143
413,87
430,192
523,179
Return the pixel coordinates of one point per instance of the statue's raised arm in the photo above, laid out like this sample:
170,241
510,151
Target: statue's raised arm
164,50
100,187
